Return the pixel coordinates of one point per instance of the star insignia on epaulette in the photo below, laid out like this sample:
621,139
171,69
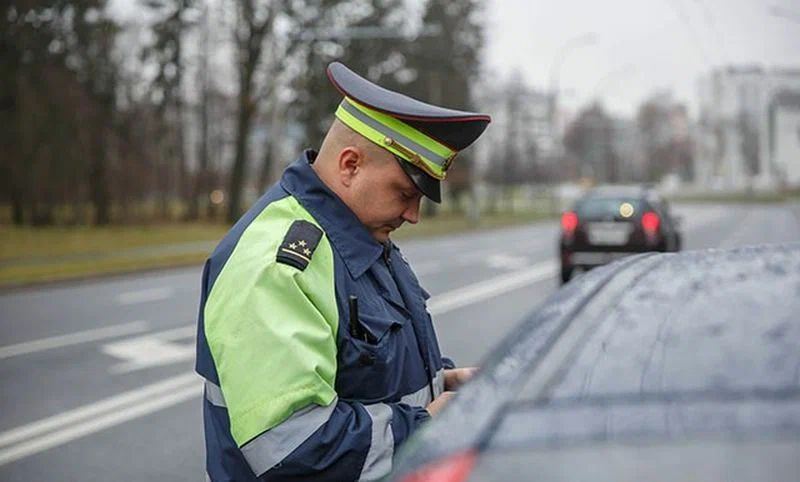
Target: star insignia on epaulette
299,244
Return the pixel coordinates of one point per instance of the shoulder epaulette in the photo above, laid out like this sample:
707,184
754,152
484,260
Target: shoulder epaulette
299,244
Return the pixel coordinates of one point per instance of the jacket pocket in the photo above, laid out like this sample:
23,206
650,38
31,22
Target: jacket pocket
379,327
370,370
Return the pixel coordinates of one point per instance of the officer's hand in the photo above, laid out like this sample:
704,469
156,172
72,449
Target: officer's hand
437,405
455,377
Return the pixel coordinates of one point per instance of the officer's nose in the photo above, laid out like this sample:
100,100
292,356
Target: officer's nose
411,213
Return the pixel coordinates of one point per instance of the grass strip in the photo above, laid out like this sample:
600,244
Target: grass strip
38,255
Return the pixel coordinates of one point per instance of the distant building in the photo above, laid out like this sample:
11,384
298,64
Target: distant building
745,128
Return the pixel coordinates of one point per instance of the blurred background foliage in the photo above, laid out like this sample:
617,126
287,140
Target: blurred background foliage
158,111
186,109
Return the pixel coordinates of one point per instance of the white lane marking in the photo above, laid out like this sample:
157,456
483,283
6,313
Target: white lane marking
145,296
489,257
61,341
68,434
506,261
82,421
430,267
178,333
60,437
480,291
151,350
38,433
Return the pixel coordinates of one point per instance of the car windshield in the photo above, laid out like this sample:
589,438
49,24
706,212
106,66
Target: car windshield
608,208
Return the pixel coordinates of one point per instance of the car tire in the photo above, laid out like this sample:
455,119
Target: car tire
566,274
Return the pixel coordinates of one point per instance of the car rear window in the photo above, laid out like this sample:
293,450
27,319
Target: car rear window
608,208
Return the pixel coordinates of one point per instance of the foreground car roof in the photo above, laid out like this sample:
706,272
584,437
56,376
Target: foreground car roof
662,367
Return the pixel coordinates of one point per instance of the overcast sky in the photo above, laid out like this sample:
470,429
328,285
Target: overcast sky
639,45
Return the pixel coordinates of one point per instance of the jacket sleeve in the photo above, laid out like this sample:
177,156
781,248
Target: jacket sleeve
272,333
357,442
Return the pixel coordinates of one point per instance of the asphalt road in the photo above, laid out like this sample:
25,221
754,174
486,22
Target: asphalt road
97,379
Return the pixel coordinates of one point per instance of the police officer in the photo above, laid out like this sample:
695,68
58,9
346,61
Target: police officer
314,340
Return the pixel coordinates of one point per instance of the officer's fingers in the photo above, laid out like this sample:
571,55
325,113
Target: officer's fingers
451,378
437,405
455,377
466,373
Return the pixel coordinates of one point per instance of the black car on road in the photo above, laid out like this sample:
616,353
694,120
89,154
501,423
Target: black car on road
614,221
657,367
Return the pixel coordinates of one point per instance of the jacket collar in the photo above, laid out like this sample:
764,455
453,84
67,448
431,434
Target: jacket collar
349,237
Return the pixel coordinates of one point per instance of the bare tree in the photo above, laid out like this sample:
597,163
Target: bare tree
447,66
200,185
253,23
166,93
667,149
590,139
62,78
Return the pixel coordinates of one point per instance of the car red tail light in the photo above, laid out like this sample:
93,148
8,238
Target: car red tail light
569,222
455,468
650,222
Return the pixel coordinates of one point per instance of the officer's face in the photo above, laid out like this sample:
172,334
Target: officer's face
384,197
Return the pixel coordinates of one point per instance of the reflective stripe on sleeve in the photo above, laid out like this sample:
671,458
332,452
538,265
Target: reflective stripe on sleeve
379,458
214,394
274,445
422,397
438,383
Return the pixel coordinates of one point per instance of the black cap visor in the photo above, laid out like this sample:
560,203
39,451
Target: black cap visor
427,185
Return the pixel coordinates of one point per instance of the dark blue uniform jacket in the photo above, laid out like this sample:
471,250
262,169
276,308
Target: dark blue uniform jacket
384,377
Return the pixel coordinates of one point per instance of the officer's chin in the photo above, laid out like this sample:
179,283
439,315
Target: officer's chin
383,234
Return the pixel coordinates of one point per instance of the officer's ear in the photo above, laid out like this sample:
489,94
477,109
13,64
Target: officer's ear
351,161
